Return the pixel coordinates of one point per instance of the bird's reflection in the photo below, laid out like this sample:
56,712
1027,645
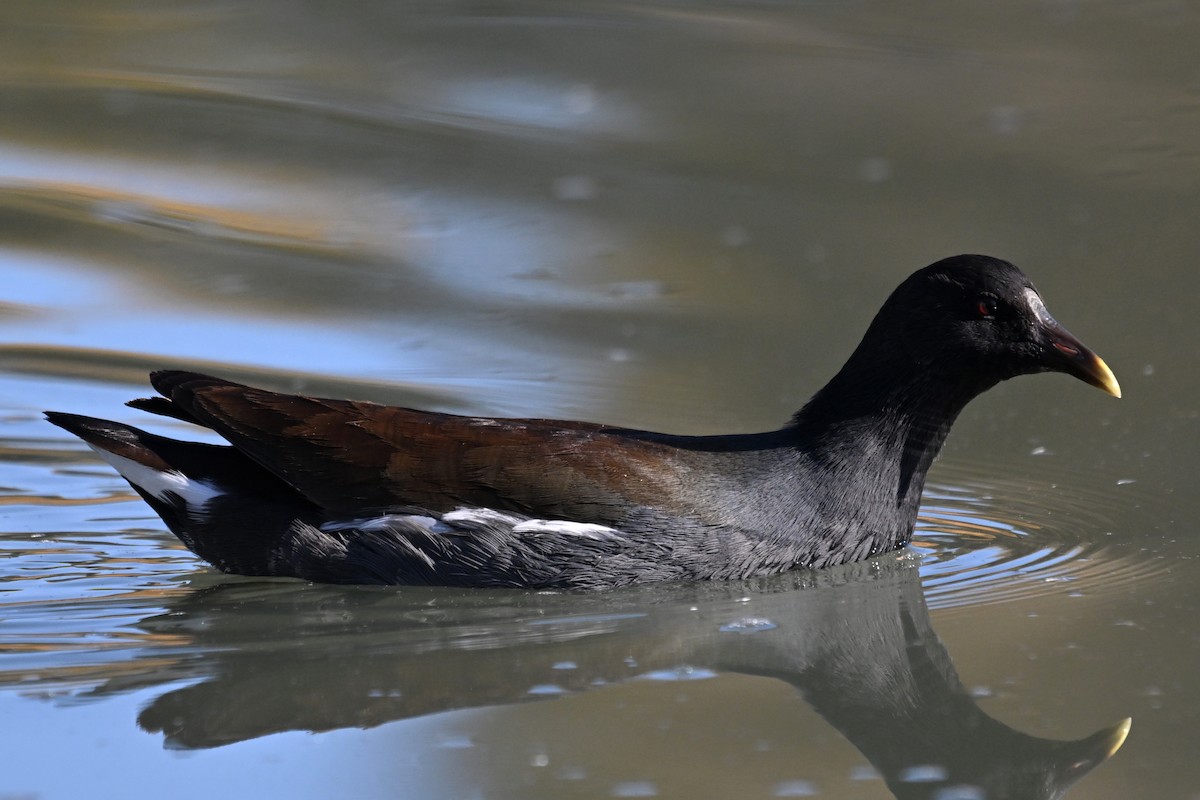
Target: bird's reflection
856,642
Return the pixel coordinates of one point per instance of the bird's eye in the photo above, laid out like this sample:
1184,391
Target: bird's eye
986,306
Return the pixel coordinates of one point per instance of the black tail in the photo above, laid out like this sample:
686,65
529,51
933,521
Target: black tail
223,506
173,404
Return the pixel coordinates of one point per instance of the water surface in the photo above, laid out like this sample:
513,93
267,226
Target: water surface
676,216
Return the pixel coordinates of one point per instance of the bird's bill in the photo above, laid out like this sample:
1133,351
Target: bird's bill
1067,354
1114,737
1089,753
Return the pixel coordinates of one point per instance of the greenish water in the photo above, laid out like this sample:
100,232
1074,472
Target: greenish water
675,216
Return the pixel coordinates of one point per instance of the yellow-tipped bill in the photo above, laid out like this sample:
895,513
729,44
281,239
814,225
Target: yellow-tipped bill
1069,355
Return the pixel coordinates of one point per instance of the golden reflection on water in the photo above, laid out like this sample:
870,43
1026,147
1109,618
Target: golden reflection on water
66,678
993,539
100,205
931,522
34,500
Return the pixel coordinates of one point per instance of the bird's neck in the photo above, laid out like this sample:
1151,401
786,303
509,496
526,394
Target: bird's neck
896,420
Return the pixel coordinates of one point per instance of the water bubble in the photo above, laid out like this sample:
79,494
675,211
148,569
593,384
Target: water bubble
574,187
618,355
964,791
923,773
635,789
680,674
454,741
1004,120
875,169
795,789
864,772
748,625
734,236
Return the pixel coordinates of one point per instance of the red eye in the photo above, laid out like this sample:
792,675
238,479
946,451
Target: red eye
985,307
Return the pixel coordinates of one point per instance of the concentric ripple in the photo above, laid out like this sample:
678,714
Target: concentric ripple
993,539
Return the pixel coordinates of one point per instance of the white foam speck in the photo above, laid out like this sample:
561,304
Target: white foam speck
923,773
796,788
680,674
635,789
748,625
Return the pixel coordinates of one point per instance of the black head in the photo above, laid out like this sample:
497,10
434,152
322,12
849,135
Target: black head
972,321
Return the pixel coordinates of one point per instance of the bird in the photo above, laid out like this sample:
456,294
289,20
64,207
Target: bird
352,492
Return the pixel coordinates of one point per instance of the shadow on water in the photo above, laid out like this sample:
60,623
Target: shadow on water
856,642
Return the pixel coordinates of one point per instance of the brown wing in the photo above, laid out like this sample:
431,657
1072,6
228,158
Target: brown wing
351,457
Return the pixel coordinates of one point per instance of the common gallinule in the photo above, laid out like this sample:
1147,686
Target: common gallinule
343,491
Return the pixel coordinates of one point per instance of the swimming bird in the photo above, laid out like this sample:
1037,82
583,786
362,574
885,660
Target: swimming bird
344,491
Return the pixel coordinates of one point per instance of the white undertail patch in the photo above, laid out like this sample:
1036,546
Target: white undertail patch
194,492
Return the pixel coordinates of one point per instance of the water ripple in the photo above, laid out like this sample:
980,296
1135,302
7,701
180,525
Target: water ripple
991,540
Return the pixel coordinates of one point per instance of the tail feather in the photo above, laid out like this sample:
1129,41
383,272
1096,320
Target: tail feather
223,506
111,437
176,387
164,408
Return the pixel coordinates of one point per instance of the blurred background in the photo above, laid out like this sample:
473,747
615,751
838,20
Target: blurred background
676,215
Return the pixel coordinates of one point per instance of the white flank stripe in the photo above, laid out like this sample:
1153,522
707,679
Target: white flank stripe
484,516
194,492
464,521
379,523
585,530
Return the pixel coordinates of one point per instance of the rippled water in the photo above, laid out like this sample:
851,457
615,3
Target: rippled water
991,540
667,216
